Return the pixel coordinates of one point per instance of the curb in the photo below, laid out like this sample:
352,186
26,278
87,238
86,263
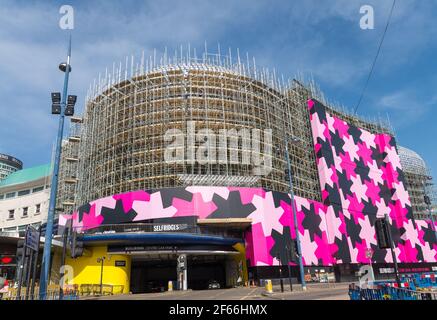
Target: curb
271,295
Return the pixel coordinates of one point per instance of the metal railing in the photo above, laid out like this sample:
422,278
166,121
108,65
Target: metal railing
389,293
70,292
52,294
95,289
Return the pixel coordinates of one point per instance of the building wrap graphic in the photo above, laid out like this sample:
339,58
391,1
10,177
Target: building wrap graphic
270,211
361,179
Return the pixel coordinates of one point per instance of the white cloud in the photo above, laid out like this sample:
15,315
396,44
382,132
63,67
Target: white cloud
405,107
318,37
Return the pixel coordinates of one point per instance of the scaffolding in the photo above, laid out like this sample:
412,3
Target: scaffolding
419,183
129,109
68,170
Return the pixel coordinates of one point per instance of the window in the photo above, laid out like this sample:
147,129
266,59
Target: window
11,214
25,211
38,189
38,209
10,195
23,192
2,196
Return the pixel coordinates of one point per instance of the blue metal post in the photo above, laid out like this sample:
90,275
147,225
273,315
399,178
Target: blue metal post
302,273
45,266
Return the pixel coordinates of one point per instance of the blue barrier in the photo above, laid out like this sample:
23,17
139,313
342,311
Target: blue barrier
389,293
388,290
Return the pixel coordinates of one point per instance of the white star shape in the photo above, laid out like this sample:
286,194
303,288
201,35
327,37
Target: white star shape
393,158
308,249
401,194
382,209
351,147
266,214
333,225
374,173
208,192
367,231
368,138
359,189
152,209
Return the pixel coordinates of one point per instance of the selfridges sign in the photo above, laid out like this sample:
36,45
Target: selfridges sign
170,227
223,146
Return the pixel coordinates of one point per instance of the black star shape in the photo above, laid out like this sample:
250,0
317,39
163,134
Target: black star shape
168,194
337,144
280,196
117,215
396,234
337,209
378,156
281,249
369,209
343,252
320,109
401,175
311,222
353,230
83,209
362,170
333,196
385,193
429,236
409,214
392,142
355,133
325,152
232,207
419,256
378,254
344,183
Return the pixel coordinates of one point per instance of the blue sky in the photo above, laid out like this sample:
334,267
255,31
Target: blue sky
319,38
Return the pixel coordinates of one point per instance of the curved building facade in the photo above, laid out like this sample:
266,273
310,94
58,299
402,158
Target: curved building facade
9,164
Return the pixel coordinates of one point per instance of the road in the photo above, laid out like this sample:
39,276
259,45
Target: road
314,292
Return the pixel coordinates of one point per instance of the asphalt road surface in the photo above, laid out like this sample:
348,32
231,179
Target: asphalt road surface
314,292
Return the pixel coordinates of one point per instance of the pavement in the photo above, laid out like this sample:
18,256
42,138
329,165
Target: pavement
337,291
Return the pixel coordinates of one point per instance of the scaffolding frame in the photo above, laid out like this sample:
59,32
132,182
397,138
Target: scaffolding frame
129,109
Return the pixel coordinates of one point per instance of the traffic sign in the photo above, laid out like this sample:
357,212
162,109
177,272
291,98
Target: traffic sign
32,238
182,262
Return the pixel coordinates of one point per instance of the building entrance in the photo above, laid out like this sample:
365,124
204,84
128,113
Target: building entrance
151,273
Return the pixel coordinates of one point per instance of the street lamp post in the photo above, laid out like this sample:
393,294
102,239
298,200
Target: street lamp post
45,265
293,206
101,260
289,258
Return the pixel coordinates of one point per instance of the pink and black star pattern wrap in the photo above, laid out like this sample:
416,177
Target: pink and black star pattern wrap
361,179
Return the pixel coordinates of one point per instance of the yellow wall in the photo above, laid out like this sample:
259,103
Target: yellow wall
86,269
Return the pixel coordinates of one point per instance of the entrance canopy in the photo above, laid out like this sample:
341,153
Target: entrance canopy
157,238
